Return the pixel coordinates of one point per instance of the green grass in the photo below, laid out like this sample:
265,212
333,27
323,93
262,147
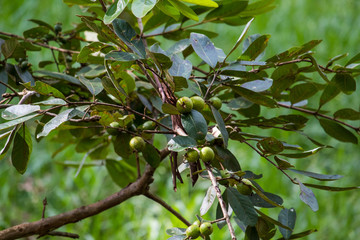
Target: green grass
292,23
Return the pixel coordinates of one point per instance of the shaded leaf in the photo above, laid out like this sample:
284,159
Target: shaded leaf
229,160
254,97
44,89
120,172
271,145
221,124
94,85
308,197
194,124
330,188
302,91
242,206
60,76
265,199
121,56
321,177
22,149
151,155
258,85
25,75
345,82
337,131
302,154
255,48
283,164
180,67
347,113
169,109
180,143
175,231
288,218
301,235
269,219
9,46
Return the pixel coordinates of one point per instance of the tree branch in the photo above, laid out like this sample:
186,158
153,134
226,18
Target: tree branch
221,202
47,225
166,206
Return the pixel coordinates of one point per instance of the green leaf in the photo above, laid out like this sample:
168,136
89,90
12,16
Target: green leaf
271,145
254,97
169,109
204,48
258,7
227,158
115,10
121,56
36,32
308,197
206,3
120,172
44,89
180,67
4,79
185,10
110,88
227,8
288,218
175,231
21,149
347,113
221,124
17,111
17,121
330,188
208,200
57,121
242,207
255,48
302,154
258,85
141,7
251,233
168,9
113,80
9,47
283,164
24,75
127,34
317,176
121,145
178,237
337,131
94,85
194,124
354,59
51,102
10,137
271,220
180,143
302,91
265,199
301,234
151,155
345,82
330,91
60,76
316,65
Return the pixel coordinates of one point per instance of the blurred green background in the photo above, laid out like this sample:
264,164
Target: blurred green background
292,23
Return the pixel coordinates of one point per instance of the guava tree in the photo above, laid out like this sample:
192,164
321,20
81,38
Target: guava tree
117,90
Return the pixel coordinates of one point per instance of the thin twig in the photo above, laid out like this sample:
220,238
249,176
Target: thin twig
56,62
221,202
103,5
38,43
269,160
10,87
357,129
167,207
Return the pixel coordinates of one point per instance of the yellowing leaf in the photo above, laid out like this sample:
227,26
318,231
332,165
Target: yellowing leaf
206,3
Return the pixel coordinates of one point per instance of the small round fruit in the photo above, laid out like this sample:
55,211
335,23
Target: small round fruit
115,124
149,125
206,228
216,102
24,65
58,28
244,189
198,103
192,155
207,154
197,223
137,144
184,105
193,231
